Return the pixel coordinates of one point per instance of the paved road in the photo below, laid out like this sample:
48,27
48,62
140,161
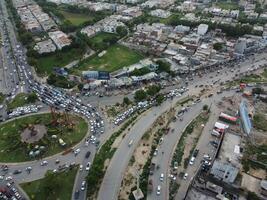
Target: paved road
165,151
111,183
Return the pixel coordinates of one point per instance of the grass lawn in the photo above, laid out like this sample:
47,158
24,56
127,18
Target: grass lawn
12,149
227,5
116,57
45,64
19,100
56,186
2,97
260,121
76,18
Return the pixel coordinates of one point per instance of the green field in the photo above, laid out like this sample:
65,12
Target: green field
55,186
227,5
76,18
12,149
116,57
46,64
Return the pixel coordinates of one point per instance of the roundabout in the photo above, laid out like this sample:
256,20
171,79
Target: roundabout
38,136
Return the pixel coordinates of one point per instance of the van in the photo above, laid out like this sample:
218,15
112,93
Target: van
130,143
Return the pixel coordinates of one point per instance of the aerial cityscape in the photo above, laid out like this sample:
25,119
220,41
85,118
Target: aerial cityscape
133,100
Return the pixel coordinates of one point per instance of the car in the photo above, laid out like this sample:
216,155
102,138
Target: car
57,161
161,178
185,176
87,155
191,162
207,157
88,166
44,163
155,152
17,171
214,143
76,152
29,169
83,185
161,140
195,153
81,167
130,143
158,189
76,194
9,178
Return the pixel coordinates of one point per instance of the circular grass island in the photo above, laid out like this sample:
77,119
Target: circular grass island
38,136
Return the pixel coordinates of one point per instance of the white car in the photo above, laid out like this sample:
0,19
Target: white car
83,186
88,166
185,176
81,167
43,163
77,151
158,190
9,178
161,178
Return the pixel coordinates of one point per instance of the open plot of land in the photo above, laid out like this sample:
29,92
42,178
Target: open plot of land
46,64
12,149
116,57
53,186
76,18
227,5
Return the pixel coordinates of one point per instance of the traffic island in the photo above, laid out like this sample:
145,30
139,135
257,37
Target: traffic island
40,135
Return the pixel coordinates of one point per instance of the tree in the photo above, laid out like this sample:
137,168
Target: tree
32,98
252,196
217,46
205,107
140,95
153,90
257,90
126,101
122,31
163,66
159,99
80,86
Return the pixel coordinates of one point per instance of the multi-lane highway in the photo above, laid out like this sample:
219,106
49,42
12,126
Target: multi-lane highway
113,177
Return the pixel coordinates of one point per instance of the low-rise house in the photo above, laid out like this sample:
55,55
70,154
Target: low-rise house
46,46
60,39
160,13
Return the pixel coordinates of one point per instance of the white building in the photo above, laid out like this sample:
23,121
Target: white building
202,29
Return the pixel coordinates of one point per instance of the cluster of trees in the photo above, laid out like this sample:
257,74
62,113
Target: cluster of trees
163,66
150,92
100,45
218,46
139,72
60,81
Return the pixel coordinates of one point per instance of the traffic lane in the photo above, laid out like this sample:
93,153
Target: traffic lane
39,171
111,183
203,144
163,159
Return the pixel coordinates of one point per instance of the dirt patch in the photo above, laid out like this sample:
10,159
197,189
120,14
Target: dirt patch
250,183
33,133
259,173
